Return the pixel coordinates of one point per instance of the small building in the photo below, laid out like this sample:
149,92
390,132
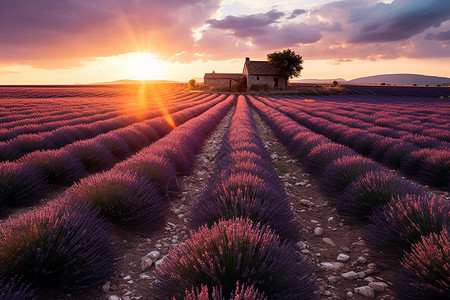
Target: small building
222,80
263,72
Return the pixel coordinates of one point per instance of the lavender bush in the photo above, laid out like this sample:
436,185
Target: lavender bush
393,156
58,166
116,145
56,248
247,196
156,169
321,156
94,156
235,251
425,270
20,184
240,293
14,289
373,190
121,198
403,222
339,174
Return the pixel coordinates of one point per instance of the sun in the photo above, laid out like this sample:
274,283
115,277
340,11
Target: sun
143,66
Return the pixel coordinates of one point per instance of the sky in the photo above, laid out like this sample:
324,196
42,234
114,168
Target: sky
75,41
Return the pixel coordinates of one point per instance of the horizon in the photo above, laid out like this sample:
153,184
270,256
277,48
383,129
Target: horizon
84,43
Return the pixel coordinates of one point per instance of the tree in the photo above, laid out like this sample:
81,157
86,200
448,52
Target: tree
287,62
192,83
335,82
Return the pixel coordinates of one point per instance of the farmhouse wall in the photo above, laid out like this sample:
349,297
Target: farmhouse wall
220,83
266,79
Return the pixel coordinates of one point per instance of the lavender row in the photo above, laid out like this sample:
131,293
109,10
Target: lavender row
86,117
371,109
243,229
429,166
406,123
36,174
89,114
65,100
67,245
60,137
409,129
401,216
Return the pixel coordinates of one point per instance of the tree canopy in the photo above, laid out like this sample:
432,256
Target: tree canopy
287,62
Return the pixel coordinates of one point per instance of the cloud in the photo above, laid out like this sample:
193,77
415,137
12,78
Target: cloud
247,26
266,31
65,31
396,21
440,36
296,13
339,61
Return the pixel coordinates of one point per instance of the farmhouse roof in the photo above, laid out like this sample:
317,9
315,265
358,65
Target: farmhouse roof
233,76
255,67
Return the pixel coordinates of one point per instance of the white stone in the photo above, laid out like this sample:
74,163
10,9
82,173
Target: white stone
146,262
330,219
366,291
334,266
306,202
329,241
378,286
113,297
362,260
361,275
359,243
158,263
128,277
314,221
349,275
349,294
318,231
333,279
342,257
327,293
154,255
106,287
300,245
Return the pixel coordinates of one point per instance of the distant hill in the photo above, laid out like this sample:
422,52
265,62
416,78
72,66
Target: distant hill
397,79
401,79
321,81
131,81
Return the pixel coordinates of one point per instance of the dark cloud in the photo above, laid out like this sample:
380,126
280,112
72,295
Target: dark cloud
296,13
396,21
267,32
247,26
440,36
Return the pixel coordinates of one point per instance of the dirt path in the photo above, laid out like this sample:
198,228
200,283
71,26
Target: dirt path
132,280
335,236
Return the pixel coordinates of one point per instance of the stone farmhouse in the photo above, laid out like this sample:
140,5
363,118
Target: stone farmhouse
257,73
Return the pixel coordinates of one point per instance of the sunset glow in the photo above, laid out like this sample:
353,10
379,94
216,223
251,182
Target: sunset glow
76,42
142,66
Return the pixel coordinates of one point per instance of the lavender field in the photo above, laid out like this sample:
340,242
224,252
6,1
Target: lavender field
97,181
